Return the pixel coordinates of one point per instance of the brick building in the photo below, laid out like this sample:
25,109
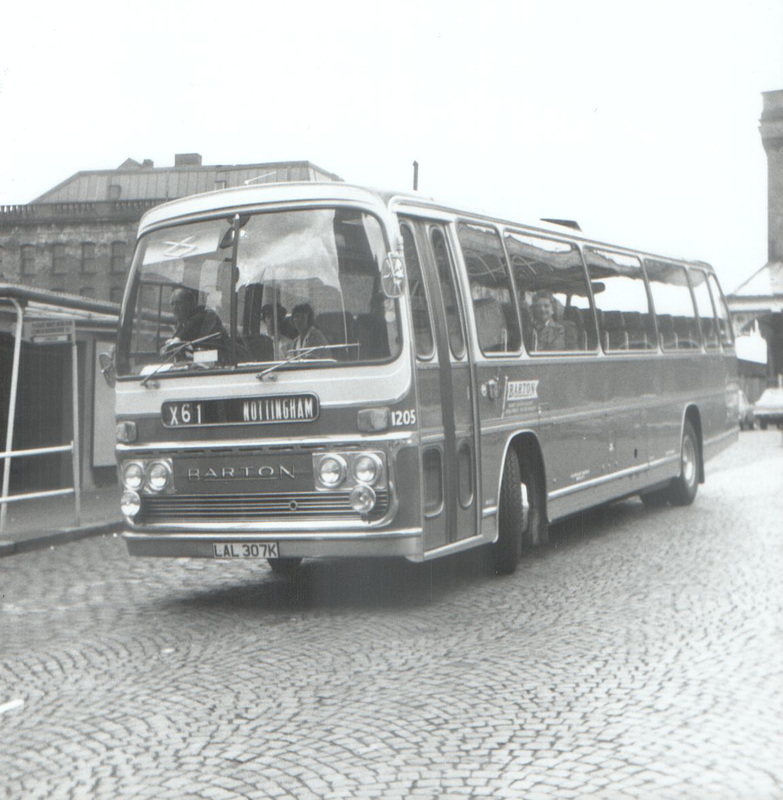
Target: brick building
78,237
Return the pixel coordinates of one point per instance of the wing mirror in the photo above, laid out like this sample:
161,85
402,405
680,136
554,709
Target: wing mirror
106,360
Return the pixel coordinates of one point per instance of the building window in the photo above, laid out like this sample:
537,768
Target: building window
58,258
87,291
88,257
118,256
115,294
28,259
114,191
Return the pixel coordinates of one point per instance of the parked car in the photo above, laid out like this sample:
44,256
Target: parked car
769,408
747,419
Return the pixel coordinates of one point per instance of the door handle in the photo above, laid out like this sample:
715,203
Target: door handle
490,389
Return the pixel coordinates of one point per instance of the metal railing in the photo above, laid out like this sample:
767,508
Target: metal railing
9,453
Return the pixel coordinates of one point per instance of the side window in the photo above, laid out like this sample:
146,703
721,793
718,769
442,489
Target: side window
420,308
494,304
554,301
722,312
707,318
440,250
622,306
678,328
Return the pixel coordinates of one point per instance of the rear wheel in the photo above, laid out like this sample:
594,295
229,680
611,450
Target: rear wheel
284,567
683,488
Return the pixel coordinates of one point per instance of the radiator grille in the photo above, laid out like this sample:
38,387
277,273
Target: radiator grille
249,507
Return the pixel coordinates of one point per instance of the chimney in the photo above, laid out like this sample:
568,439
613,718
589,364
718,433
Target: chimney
187,160
771,129
148,162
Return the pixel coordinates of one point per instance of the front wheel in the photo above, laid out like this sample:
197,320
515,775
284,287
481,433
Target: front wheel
682,491
522,519
536,533
512,516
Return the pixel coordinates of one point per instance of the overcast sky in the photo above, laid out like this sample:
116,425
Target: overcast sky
638,119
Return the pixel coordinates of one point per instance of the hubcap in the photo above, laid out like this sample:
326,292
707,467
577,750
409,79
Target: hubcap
688,461
525,507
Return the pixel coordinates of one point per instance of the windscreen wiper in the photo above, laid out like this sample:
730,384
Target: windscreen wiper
297,356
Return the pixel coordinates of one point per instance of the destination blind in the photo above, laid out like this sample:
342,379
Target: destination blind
241,411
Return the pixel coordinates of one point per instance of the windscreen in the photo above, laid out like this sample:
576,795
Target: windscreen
292,288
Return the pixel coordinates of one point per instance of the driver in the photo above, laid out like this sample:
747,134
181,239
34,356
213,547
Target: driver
194,321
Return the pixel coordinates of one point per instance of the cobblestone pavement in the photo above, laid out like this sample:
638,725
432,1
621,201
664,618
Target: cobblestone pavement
638,656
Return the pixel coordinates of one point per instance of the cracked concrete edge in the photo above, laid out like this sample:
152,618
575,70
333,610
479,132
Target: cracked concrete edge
9,547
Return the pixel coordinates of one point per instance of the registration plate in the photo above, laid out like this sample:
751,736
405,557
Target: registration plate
243,550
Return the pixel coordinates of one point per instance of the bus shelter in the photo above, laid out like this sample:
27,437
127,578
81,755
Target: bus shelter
56,414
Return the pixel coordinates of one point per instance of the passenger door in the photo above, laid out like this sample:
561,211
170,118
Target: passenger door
445,386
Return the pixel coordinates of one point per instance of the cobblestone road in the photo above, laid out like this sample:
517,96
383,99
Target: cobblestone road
639,656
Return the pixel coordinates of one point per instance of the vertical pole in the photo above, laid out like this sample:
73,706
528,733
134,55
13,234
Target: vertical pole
233,300
9,434
75,444
415,175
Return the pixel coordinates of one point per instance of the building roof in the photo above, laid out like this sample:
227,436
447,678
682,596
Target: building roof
766,282
144,181
762,292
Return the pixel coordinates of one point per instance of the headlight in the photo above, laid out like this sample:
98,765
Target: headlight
133,475
367,468
362,499
159,476
130,504
332,470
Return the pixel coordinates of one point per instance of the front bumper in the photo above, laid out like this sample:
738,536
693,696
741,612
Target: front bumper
406,542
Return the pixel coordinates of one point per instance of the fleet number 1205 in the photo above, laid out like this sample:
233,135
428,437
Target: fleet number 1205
400,418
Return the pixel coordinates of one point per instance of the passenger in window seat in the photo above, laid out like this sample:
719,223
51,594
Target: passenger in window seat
279,328
549,333
308,335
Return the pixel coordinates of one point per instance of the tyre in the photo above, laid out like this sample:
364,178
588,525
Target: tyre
522,519
683,488
511,517
284,567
